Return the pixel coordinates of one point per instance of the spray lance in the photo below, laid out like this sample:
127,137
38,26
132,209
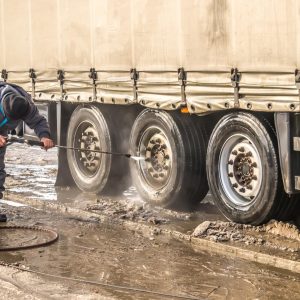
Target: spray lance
15,139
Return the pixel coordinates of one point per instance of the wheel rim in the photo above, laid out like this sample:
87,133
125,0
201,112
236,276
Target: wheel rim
240,171
157,166
87,137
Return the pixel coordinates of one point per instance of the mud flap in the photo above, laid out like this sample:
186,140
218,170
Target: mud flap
64,177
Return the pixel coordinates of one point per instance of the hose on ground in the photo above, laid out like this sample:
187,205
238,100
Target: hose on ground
53,237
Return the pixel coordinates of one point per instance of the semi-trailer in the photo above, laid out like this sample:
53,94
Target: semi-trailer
206,91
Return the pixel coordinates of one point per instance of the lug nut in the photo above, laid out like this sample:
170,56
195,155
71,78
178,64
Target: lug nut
161,174
148,159
163,146
152,142
249,187
150,170
254,177
167,157
230,162
155,175
230,174
254,165
234,152
166,167
249,153
242,190
241,149
235,185
148,149
158,141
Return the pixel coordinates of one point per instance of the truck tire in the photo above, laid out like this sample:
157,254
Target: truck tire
173,173
89,128
243,170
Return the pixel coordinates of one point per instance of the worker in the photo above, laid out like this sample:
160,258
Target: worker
16,106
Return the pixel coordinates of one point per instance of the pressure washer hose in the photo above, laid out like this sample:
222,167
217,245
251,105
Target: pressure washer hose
13,139
53,237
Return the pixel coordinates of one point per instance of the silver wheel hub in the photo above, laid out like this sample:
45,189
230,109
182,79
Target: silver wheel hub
240,170
88,138
157,165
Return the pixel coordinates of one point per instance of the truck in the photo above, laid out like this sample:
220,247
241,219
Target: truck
207,92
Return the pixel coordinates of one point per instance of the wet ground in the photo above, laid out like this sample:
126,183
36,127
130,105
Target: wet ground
106,252
110,254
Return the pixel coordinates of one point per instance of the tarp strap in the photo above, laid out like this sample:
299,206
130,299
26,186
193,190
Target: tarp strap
134,75
94,76
4,75
32,77
61,79
182,77
235,80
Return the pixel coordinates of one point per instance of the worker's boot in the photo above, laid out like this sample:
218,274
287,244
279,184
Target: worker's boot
3,217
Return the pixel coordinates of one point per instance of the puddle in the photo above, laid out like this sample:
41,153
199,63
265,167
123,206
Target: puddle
113,255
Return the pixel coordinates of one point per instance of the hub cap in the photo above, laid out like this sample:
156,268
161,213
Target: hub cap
156,149
87,137
240,170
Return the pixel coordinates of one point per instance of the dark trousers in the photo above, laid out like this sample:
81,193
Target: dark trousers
2,168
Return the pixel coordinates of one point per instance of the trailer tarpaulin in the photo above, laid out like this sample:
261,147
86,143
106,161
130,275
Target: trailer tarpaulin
259,40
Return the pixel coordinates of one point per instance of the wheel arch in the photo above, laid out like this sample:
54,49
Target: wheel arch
64,111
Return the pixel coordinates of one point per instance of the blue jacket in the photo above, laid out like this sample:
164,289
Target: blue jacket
33,118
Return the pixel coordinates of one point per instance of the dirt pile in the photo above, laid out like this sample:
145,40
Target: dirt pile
275,235
286,230
222,231
122,209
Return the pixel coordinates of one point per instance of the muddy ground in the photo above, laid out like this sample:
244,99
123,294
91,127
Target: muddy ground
91,248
